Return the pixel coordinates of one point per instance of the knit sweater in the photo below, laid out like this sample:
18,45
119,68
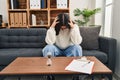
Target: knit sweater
65,38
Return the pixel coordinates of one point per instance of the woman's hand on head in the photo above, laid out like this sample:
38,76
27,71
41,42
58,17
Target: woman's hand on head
55,22
71,23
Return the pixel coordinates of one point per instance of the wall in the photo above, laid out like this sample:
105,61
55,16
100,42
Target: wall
116,32
81,4
3,10
99,17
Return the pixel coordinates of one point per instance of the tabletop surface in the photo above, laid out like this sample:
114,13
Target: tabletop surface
37,65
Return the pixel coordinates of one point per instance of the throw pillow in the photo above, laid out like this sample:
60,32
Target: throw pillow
90,37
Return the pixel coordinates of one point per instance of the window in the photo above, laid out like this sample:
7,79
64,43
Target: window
108,15
108,2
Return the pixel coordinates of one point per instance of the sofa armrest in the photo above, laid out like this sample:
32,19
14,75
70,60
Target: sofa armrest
108,45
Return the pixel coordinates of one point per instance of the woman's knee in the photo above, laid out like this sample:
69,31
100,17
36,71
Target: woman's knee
49,47
52,49
77,47
78,50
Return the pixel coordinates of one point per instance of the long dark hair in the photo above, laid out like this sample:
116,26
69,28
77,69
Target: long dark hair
63,19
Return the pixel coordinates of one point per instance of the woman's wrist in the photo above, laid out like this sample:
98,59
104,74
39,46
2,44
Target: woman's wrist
52,27
72,26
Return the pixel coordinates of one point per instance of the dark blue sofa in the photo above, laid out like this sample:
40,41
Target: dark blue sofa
30,42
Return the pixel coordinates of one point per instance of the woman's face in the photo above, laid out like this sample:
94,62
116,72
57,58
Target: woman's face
63,27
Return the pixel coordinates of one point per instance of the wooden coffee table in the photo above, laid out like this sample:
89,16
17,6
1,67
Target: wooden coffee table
37,66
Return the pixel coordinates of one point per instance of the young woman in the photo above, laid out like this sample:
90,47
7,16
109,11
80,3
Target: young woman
63,38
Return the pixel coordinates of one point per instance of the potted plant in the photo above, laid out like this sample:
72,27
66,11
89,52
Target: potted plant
85,14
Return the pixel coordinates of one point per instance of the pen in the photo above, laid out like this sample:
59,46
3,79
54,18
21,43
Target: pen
85,64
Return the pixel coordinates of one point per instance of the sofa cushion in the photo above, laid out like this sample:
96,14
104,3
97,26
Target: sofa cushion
22,38
98,54
90,37
8,55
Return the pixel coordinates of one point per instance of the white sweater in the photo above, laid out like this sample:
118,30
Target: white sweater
65,37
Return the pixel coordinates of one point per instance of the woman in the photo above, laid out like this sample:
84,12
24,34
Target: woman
63,38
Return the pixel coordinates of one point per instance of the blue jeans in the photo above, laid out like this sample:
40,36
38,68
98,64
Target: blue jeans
73,50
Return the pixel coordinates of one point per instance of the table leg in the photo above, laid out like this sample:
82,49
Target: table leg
50,77
92,77
19,78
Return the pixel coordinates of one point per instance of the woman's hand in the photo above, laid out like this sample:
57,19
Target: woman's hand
54,22
71,23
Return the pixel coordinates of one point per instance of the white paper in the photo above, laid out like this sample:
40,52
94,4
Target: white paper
81,66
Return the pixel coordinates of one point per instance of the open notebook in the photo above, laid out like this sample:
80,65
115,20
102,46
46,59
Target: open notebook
80,66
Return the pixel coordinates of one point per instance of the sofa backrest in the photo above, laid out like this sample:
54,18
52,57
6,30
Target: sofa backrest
22,38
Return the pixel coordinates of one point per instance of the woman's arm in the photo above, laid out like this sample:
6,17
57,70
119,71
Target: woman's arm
75,35
50,36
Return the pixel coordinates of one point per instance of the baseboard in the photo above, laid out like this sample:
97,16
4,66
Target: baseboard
116,76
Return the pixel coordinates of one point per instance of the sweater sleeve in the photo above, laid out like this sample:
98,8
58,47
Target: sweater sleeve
50,36
75,35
